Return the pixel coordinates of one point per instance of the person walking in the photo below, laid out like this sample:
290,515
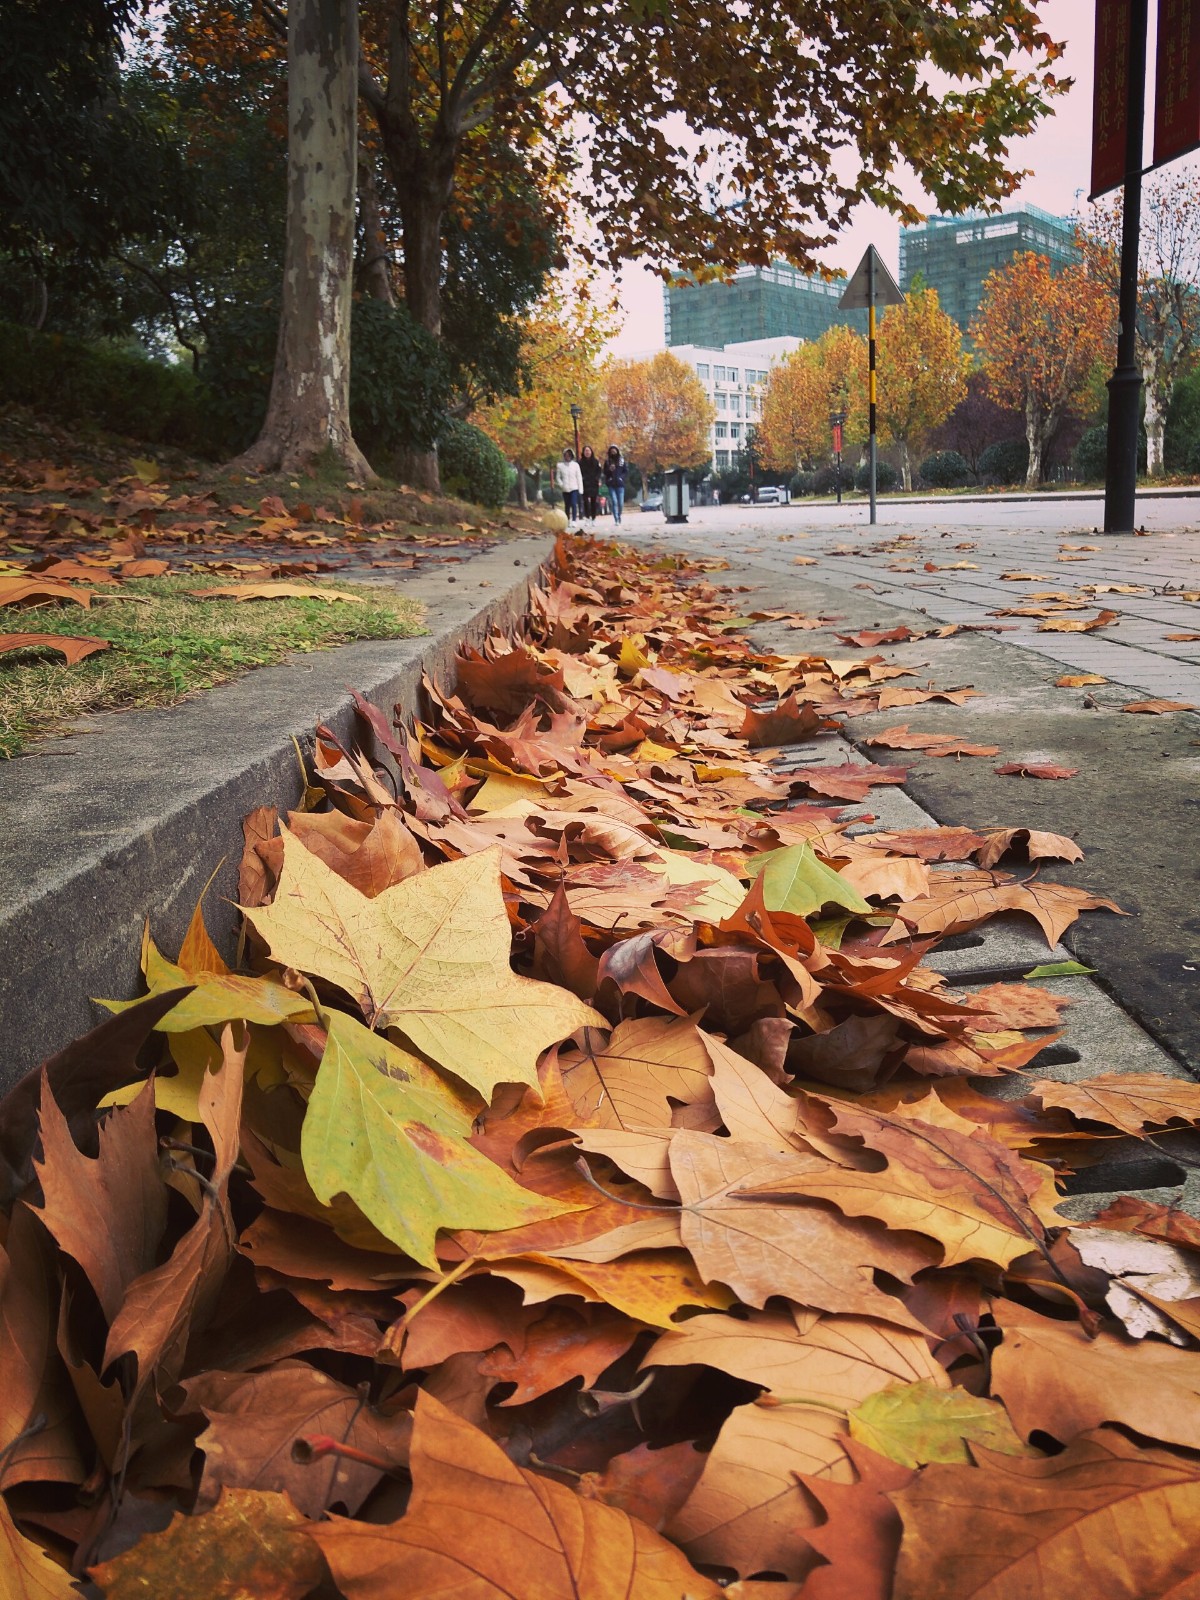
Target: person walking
570,480
589,471
615,472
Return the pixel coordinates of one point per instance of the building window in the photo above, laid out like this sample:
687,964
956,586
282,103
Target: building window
718,374
722,460
722,402
735,431
733,374
702,370
722,430
735,404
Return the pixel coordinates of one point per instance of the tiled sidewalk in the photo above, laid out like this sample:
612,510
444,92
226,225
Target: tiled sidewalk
890,561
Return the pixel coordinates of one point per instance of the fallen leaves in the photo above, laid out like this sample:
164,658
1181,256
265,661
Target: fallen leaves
1102,619
577,1146
277,591
1157,708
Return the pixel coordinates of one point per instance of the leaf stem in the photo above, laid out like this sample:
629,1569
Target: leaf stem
443,1282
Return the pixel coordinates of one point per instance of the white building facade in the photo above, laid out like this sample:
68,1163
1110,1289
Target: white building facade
733,378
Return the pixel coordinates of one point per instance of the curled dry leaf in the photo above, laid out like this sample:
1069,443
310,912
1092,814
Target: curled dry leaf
1036,769
1131,1101
1038,846
1157,708
67,645
276,591
1078,624
1079,680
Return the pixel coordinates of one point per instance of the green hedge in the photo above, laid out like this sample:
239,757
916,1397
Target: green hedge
77,382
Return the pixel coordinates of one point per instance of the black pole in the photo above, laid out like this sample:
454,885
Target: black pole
874,460
1125,385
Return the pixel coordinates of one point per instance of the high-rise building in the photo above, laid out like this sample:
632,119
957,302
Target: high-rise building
955,254
733,378
760,303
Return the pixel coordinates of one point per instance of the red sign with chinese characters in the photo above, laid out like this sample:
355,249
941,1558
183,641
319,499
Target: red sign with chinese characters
1177,80
837,438
1109,94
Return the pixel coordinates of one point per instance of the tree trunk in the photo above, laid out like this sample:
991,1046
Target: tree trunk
1038,429
308,414
1157,396
375,278
905,465
522,494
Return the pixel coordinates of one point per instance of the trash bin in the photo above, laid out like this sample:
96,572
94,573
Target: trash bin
676,496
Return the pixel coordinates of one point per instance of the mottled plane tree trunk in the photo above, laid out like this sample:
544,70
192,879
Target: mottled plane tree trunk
308,415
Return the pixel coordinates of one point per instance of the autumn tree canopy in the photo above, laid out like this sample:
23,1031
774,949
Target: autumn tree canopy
827,375
658,412
560,347
1039,334
922,372
1168,322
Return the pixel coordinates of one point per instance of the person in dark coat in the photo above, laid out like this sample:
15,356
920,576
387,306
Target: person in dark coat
589,466
615,473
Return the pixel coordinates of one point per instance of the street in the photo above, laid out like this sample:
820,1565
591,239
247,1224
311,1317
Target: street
1134,803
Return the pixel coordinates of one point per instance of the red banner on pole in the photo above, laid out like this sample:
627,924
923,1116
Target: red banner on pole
1177,80
1110,94
837,438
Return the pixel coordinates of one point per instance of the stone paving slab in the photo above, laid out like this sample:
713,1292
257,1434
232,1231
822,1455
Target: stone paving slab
126,819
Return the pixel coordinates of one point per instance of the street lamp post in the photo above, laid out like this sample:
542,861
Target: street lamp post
837,421
576,413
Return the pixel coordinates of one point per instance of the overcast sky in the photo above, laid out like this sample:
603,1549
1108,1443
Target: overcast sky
1058,156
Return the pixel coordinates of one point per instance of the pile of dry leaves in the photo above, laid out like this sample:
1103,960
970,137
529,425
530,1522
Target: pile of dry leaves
582,1191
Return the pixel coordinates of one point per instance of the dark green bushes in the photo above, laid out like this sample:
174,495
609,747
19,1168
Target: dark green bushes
471,465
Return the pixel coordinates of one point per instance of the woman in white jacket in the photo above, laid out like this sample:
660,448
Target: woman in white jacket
569,479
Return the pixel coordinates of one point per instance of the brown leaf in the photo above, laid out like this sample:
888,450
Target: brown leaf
1035,769
1131,1214
1082,680
930,844
276,591
1017,1005
869,638
1054,906
72,648
150,567
1052,1377
1158,707
371,856
861,1538
1102,1520
790,722
35,591
1078,624
167,1305
1038,846
251,1543
631,1080
478,1525
108,1213
26,1571
1131,1101
890,698
759,1249
255,1418
649,1484
849,781
560,1346
508,681
560,953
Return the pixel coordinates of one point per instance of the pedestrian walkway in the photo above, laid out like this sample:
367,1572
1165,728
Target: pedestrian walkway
965,569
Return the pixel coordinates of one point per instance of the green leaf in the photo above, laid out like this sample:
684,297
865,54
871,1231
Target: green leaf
1060,969
913,1423
382,1127
795,881
216,998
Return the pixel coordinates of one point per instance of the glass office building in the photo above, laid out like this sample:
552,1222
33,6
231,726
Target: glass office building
954,255
760,303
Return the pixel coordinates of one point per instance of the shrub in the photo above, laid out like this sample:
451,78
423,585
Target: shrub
78,382
399,378
1181,444
471,465
824,480
1091,454
886,477
1005,462
399,381
803,483
945,469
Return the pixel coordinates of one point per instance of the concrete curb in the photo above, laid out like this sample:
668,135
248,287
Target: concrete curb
126,819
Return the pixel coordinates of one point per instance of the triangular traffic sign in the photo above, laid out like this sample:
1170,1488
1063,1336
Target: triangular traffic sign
858,291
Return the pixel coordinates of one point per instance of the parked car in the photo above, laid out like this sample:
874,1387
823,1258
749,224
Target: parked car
772,495
653,501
